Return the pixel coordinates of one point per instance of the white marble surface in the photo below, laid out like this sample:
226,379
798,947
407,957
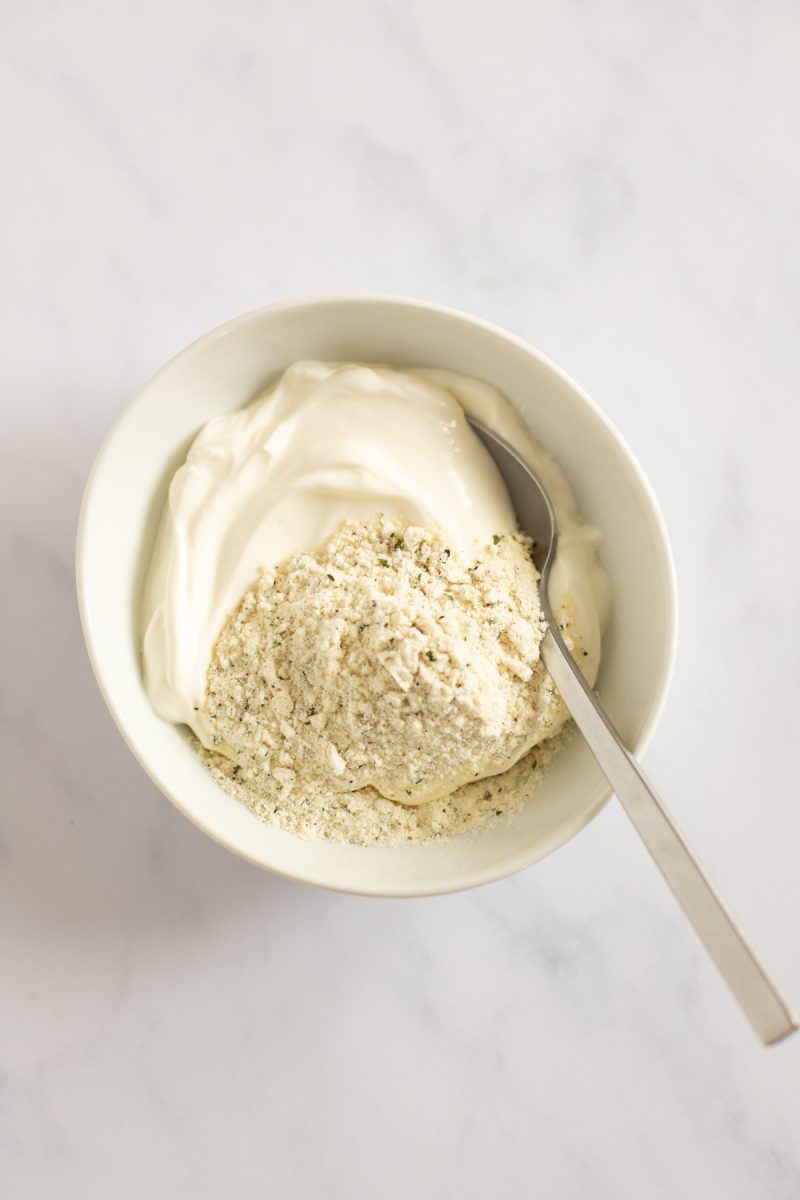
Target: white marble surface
618,183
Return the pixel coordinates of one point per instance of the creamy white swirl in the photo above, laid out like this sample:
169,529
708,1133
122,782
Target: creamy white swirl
331,442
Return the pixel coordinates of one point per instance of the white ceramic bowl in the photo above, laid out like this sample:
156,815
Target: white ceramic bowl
226,368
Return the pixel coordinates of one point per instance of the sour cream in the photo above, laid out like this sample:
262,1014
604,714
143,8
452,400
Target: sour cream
331,442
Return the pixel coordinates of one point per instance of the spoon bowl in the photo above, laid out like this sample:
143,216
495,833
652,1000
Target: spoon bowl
530,501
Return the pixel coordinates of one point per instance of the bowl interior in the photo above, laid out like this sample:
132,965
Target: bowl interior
228,367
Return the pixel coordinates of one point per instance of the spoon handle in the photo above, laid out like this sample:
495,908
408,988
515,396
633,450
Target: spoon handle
768,1012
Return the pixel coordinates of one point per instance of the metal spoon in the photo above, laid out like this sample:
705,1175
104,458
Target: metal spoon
768,1012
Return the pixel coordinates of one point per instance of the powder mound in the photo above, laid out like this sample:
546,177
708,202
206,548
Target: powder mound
385,665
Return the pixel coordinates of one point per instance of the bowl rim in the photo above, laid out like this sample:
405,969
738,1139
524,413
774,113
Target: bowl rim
478,877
